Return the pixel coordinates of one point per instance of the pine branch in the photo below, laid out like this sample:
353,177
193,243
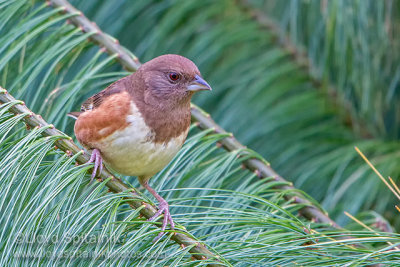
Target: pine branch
116,185
302,60
204,120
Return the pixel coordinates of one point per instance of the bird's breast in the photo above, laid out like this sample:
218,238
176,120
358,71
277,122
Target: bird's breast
132,150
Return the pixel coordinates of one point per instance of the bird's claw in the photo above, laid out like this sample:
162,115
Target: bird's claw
163,208
98,163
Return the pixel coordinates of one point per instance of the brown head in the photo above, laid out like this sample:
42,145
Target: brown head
171,80
161,89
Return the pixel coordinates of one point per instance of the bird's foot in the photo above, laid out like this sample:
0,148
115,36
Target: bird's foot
98,163
163,208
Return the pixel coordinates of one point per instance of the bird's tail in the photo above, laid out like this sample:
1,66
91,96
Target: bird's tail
74,115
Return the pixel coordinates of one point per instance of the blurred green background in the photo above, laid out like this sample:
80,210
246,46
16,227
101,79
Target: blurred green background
300,82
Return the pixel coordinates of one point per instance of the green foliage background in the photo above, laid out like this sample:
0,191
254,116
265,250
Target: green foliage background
300,82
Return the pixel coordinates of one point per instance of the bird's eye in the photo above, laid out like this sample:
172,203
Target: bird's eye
174,76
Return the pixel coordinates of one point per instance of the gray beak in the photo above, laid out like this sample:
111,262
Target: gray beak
198,84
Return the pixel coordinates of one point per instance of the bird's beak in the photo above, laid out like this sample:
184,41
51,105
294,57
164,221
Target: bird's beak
198,84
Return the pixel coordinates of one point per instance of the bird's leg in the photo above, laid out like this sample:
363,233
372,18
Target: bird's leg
98,163
163,208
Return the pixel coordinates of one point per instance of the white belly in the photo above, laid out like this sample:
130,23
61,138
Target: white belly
131,151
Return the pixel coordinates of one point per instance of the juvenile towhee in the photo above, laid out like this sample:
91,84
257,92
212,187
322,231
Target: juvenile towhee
139,123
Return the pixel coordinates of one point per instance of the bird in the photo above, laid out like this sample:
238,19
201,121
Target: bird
139,123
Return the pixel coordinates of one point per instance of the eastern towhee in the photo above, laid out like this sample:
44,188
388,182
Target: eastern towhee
139,123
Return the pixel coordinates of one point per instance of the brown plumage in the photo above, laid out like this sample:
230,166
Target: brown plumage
138,123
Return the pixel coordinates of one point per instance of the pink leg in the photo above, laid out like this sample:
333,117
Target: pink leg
163,208
98,163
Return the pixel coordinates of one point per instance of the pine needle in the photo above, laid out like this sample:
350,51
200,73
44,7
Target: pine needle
377,172
367,227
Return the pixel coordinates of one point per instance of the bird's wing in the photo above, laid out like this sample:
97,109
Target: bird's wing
103,114
94,101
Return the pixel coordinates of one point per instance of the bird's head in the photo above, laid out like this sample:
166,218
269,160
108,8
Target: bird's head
172,79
